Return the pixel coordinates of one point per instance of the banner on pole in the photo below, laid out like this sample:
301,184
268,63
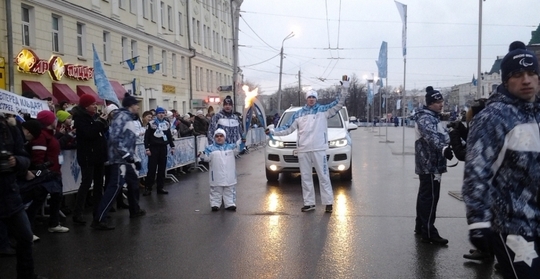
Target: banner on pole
398,104
402,8
382,62
12,103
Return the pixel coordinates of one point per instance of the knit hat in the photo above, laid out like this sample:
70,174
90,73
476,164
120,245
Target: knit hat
518,59
200,112
62,115
33,126
228,100
432,96
129,101
312,93
160,110
220,131
46,117
110,108
86,100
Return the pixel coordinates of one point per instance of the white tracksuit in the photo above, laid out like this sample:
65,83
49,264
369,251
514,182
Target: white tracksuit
312,142
222,173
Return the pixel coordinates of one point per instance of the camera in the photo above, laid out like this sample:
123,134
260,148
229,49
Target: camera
4,161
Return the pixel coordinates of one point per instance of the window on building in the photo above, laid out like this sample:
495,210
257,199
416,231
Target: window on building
194,30
200,77
57,34
164,62
106,46
180,24
144,8
27,24
150,55
205,40
125,49
207,80
169,18
208,38
121,4
133,6
197,78
183,67
199,32
153,10
162,13
214,5
211,78
174,65
133,50
81,39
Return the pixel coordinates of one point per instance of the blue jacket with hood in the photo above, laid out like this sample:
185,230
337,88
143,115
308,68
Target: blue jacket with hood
431,138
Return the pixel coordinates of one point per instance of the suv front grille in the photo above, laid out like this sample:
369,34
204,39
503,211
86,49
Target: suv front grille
273,157
294,159
289,144
340,157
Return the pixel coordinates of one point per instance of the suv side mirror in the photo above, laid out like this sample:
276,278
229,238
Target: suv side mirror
351,126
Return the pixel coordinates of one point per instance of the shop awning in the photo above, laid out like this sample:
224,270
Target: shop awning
83,89
63,92
118,89
34,89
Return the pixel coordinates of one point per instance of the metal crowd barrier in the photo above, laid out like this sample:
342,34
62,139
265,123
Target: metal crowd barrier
185,153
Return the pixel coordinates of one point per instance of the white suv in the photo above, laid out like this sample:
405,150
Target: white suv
281,156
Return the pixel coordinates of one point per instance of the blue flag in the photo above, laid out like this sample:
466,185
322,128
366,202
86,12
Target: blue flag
402,9
382,62
104,87
153,68
474,81
131,62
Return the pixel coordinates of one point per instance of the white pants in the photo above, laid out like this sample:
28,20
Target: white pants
227,193
307,161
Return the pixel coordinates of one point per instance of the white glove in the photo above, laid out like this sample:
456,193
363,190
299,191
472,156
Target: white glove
345,84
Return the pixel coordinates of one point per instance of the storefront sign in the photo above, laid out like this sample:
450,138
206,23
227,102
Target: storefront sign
27,61
168,89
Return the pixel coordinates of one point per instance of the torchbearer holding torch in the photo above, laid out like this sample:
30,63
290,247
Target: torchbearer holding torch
312,142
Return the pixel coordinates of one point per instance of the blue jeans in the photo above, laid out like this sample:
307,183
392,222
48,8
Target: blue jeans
19,227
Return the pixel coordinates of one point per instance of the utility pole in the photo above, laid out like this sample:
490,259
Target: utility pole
281,70
299,87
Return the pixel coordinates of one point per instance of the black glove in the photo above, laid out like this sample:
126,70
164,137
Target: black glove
138,165
480,238
130,160
267,131
447,152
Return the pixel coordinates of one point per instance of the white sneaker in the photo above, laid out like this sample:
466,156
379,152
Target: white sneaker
59,229
35,238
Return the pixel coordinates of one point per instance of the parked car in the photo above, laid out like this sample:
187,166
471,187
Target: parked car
281,155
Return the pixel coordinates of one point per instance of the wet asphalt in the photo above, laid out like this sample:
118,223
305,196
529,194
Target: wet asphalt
369,234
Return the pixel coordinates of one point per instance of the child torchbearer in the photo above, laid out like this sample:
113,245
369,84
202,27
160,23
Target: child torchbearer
221,157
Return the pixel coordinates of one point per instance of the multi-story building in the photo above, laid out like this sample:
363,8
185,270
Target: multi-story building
182,50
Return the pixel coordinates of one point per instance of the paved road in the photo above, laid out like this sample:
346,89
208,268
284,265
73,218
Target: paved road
369,235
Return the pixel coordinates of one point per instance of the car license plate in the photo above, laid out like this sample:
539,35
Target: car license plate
295,153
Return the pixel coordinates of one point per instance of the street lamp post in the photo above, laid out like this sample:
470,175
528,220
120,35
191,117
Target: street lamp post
281,69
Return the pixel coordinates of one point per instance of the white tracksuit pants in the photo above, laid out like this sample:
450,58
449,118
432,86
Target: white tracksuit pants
227,193
307,161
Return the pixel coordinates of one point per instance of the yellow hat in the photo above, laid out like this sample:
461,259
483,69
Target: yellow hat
62,115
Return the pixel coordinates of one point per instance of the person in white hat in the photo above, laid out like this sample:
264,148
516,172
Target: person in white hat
221,156
311,123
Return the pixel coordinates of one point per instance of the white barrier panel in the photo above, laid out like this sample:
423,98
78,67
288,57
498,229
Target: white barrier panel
184,154
202,143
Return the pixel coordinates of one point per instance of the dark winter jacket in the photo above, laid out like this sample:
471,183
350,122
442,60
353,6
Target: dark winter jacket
11,141
90,133
230,123
502,167
200,126
183,128
153,138
122,137
431,138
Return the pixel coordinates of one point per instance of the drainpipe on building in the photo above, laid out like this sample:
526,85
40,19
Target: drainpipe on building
190,71
10,57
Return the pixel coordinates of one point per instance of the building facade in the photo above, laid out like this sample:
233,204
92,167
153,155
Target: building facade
170,53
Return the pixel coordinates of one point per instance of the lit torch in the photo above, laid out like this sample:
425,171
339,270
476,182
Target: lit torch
248,111
250,95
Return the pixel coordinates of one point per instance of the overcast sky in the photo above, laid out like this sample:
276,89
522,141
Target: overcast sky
442,39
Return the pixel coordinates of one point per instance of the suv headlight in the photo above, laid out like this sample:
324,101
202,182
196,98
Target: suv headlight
338,143
275,143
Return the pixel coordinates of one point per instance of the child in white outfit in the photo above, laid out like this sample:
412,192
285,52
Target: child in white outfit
221,157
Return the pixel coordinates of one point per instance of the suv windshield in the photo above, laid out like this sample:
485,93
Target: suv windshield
333,122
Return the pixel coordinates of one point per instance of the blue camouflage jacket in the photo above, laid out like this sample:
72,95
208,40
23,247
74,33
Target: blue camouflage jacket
431,138
122,137
230,123
502,166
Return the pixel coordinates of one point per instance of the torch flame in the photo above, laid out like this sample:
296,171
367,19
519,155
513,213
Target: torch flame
250,95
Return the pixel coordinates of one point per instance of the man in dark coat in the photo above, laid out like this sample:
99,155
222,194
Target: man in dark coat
91,152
